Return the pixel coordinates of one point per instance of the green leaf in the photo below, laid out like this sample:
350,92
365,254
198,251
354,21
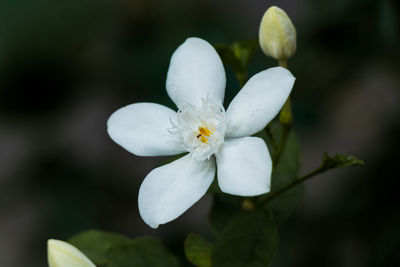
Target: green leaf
277,135
143,251
249,239
340,161
114,250
222,208
268,140
285,172
237,56
288,165
95,244
244,51
284,204
198,250
228,57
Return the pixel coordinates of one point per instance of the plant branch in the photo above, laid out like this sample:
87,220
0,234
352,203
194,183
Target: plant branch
327,163
299,180
292,184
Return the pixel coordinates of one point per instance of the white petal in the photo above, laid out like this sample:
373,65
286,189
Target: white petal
258,102
142,129
195,72
170,190
244,167
62,254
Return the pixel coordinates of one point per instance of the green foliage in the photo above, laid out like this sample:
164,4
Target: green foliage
276,133
143,251
284,149
114,250
340,161
273,137
198,250
95,244
237,56
223,207
288,164
249,239
285,172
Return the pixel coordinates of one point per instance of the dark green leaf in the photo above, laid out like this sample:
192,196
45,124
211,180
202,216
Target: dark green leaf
237,56
340,161
274,136
228,57
244,51
276,131
288,165
114,250
277,134
285,171
198,250
143,251
268,140
222,208
95,244
284,204
249,239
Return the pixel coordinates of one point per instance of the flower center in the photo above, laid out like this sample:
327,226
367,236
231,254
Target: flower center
203,135
201,129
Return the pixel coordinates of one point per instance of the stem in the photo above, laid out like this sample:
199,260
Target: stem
282,63
296,181
242,78
285,116
285,132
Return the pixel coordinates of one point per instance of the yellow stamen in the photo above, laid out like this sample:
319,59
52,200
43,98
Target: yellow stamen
203,134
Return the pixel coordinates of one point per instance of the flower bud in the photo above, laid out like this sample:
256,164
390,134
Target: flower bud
277,35
62,254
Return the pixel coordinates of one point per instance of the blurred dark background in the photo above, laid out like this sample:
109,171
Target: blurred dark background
66,65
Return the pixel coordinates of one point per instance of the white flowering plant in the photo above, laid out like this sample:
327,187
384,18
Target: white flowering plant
246,155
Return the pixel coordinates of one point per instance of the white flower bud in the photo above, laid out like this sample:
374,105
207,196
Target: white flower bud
277,35
62,254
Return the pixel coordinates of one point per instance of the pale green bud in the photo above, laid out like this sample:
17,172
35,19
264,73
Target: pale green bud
62,254
277,35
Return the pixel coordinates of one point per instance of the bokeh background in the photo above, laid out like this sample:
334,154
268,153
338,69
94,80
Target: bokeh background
66,65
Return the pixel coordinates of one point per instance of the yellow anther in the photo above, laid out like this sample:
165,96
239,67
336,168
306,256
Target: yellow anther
203,139
205,131
203,134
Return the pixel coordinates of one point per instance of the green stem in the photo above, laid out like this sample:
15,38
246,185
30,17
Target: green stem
285,116
296,181
283,63
242,78
285,132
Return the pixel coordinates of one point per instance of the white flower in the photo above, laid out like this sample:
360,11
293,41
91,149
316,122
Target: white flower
62,254
212,136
